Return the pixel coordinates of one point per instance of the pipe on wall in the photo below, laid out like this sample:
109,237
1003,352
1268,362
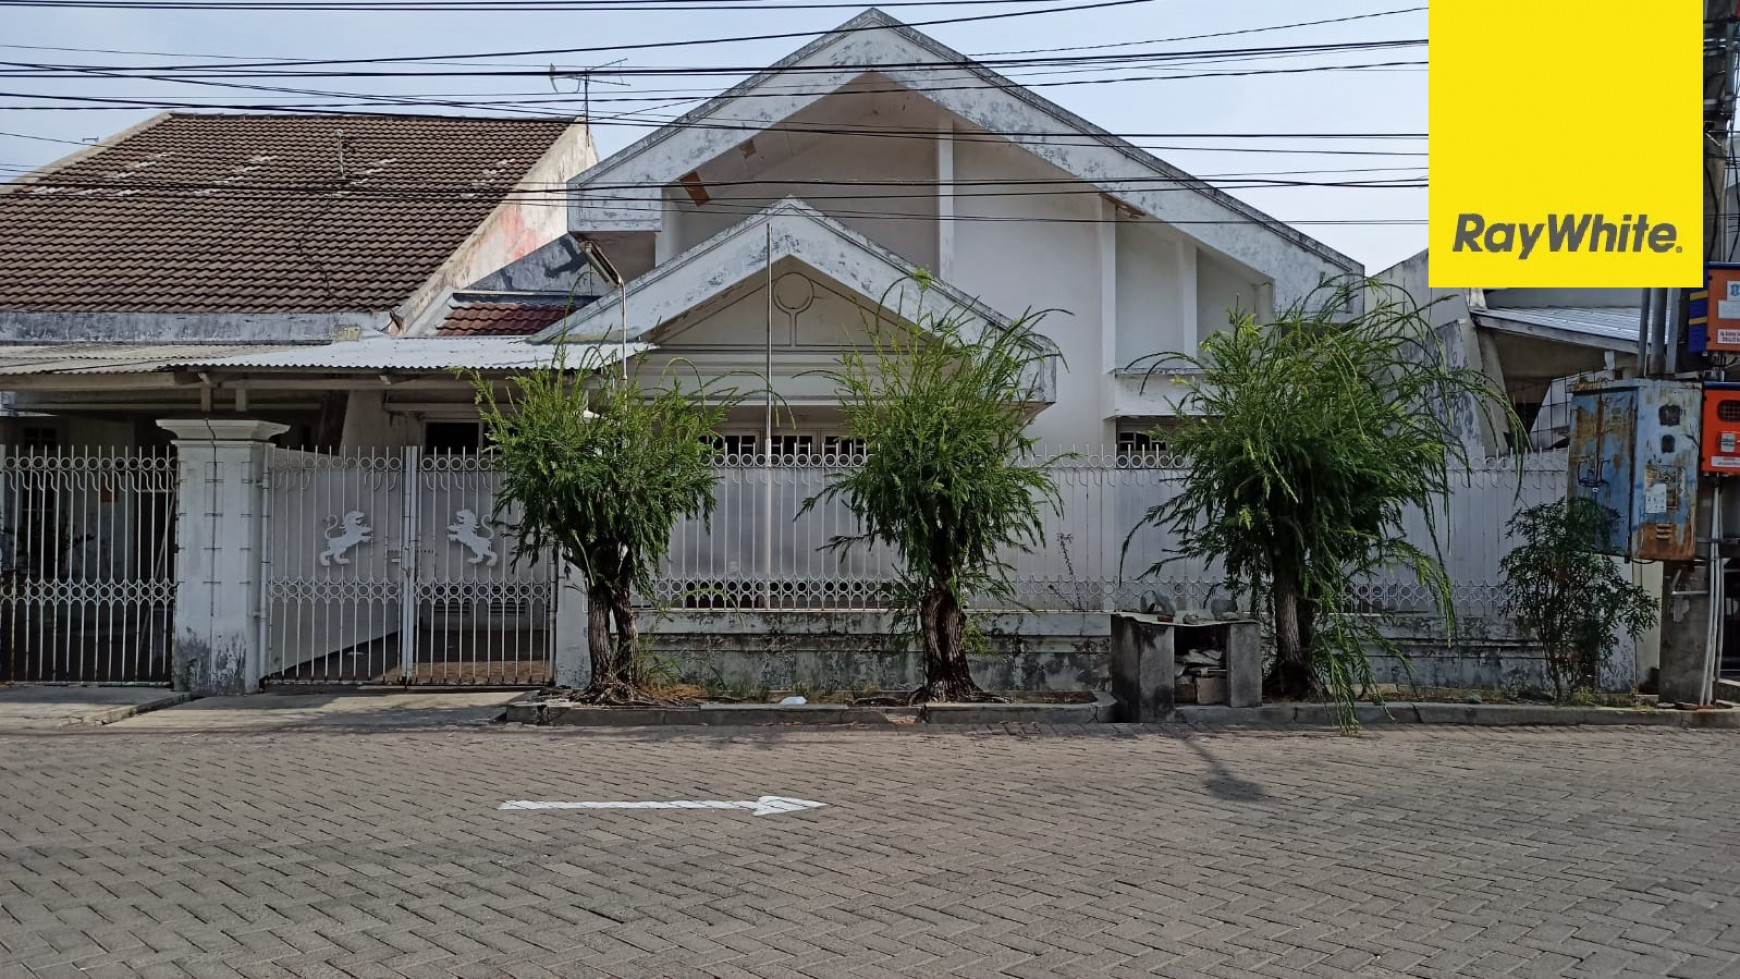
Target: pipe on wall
1667,313
1645,335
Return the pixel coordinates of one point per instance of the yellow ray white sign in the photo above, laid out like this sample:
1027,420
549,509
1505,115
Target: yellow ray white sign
1566,143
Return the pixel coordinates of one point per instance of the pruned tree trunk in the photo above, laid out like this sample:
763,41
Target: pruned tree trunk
1292,672
1557,667
615,665
598,645
627,634
943,627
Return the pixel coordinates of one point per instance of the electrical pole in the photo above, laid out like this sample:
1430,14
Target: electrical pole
1691,590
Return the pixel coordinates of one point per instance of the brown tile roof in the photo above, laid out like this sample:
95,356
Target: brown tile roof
252,213
499,320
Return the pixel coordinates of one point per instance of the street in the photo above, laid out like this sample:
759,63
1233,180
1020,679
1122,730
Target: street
132,850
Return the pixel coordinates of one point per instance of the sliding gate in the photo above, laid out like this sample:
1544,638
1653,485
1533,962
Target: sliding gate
387,569
87,564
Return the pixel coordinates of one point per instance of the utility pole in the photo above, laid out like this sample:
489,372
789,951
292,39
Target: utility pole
1692,590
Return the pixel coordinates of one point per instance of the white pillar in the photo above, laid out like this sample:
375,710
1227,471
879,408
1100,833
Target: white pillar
1187,313
945,199
573,666
1110,357
218,556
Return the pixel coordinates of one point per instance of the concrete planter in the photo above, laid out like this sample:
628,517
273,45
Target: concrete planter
529,710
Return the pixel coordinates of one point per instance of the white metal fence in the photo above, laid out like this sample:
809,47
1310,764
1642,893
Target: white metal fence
762,551
388,568
87,564
385,569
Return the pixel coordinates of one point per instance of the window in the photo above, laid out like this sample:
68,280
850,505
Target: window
839,448
39,438
788,446
452,438
1139,448
736,445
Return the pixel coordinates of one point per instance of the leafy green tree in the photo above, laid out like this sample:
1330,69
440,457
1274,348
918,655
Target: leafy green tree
1307,442
599,474
949,482
1567,594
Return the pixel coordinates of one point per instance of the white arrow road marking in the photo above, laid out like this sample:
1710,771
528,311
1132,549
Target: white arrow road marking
767,805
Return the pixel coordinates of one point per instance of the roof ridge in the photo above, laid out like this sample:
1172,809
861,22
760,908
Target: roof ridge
108,142
328,117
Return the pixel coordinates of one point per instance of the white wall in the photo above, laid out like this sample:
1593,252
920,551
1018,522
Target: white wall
517,227
1050,258
1218,289
369,427
730,334
1151,305
908,228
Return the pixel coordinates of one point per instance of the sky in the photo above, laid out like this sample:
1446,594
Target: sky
42,119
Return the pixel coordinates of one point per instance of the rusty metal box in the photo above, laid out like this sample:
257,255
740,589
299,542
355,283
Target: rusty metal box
1634,450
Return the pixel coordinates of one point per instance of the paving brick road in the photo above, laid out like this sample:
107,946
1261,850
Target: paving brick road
1417,852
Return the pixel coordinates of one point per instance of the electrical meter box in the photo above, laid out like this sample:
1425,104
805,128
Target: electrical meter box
1713,312
1721,428
1634,450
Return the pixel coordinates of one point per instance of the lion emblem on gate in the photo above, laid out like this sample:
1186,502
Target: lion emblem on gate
342,535
466,531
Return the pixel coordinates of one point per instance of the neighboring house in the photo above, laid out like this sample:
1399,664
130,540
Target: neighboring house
265,265
847,159
1532,343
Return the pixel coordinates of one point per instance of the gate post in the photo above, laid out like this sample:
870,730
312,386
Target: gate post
573,666
218,556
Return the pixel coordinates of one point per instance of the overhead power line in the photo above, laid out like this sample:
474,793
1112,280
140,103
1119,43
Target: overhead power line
739,208
465,187
684,43
411,100
499,6
46,139
1199,37
224,56
24,69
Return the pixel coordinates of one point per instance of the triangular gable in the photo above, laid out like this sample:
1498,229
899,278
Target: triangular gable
621,194
741,252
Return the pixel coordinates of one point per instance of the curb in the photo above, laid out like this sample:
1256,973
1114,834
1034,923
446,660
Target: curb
527,711
1101,711
113,714
1476,715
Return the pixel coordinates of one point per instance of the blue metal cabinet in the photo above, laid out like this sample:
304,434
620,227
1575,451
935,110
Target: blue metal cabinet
1634,450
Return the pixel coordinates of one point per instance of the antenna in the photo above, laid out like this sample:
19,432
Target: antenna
584,77
343,174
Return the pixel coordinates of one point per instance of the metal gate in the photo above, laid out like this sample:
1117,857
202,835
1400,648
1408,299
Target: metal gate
387,569
87,564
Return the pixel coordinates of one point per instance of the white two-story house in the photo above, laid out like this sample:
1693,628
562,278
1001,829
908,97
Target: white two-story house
853,162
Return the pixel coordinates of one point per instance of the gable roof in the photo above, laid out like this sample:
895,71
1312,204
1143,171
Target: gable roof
500,319
792,229
622,192
1605,327
201,213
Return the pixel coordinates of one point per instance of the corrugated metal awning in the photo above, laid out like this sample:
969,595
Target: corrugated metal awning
117,358
425,354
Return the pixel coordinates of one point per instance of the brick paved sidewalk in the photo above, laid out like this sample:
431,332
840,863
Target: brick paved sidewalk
1412,852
